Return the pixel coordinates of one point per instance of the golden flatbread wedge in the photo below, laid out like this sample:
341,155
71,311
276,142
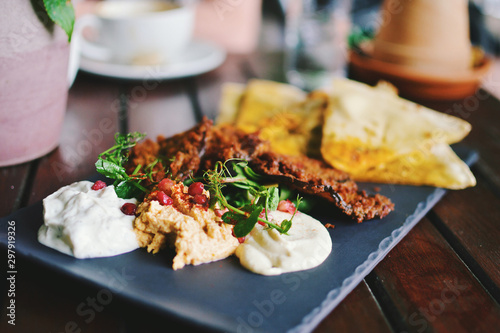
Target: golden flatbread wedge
366,126
297,129
264,99
434,166
284,115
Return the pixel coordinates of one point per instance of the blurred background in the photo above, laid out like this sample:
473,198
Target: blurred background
484,20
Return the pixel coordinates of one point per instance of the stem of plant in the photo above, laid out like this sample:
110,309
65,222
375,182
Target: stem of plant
239,211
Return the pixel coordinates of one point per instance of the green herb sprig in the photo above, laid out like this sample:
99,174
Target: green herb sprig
111,163
260,197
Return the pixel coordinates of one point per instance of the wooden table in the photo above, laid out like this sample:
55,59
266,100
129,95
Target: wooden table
444,276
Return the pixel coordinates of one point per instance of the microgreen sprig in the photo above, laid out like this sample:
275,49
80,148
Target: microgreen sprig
265,198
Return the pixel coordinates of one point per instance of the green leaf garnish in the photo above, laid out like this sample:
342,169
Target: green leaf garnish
128,189
111,169
62,13
245,225
273,198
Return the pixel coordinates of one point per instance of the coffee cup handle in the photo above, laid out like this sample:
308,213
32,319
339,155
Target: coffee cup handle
89,49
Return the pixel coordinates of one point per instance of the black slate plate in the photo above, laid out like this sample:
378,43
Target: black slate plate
224,296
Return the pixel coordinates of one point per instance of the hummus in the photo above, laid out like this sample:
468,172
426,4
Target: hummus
197,234
265,251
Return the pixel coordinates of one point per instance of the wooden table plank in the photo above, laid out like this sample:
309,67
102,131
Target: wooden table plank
359,312
160,108
476,228
12,183
430,289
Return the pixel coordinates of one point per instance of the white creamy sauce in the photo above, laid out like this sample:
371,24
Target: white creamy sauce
267,252
85,223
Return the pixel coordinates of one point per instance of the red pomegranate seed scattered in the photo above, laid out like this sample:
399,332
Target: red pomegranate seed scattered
166,185
164,199
195,188
286,206
98,185
128,208
261,223
200,199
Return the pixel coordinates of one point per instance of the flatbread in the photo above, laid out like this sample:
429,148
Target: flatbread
263,99
435,166
284,115
366,126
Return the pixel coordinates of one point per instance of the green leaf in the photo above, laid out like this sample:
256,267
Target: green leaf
110,169
244,226
126,190
286,225
252,174
62,13
273,198
230,217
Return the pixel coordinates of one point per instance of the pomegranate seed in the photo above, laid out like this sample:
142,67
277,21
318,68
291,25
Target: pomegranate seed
262,223
166,185
128,208
195,188
98,185
200,199
164,199
286,206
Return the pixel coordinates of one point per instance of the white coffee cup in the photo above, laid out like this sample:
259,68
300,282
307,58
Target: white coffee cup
137,32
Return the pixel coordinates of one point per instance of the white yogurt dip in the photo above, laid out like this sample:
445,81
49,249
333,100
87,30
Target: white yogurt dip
85,223
265,251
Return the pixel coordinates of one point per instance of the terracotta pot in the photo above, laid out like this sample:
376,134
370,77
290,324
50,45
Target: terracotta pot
417,85
33,81
428,35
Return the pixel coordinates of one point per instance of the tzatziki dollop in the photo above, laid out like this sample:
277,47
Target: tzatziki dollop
87,223
265,251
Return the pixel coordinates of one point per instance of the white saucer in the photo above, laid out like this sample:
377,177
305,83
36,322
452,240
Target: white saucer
200,57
